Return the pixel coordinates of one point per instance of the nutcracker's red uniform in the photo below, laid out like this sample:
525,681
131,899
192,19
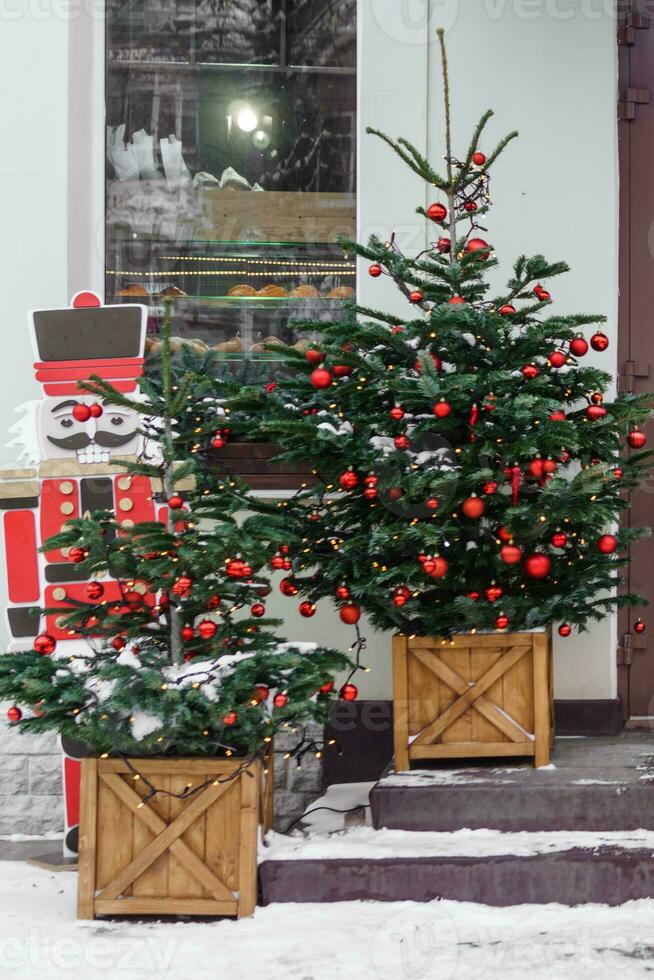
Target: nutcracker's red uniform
75,475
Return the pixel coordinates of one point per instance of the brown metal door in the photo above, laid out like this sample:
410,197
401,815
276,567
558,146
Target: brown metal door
636,332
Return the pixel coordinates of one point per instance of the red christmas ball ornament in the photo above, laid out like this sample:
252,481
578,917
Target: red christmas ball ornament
444,245
314,356
416,296
536,468
607,544
490,487
288,587
133,598
261,693
639,626
399,599
437,567
280,700
348,480
235,568
502,622
350,613
375,270
478,158
96,410
437,211
493,593
230,718
530,371
287,564
559,539
510,554
436,361
276,562
187,633
432,503
565,629
175,502
507,310
119,643
397,413
618,473
473,507
595,412
320,378
504,534
207,629
549,466
474,596
94,591
599,341
342,370
538,565
45,644
370,493
14,714
636,439
182,586
558,416
579,345
342,592
442,409
212,602
349,692
479,247
398,328
258,610
307,609
78,555
401,442
395,493
470,207
81,412
217,442
456,300
557,359
327,687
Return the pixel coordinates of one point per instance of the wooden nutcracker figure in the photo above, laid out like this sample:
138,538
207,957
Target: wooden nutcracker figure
69,439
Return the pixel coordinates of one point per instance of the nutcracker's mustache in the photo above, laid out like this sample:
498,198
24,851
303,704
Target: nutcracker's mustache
80,440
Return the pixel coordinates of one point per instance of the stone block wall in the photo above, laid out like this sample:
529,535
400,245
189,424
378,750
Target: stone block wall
31,800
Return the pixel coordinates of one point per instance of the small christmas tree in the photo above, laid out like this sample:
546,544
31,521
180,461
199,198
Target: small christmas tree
467,466
179,658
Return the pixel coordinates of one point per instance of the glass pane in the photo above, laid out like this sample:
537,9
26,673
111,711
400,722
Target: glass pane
322,33
228,185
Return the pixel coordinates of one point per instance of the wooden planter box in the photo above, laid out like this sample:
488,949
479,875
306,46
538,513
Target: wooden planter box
170,857
472,696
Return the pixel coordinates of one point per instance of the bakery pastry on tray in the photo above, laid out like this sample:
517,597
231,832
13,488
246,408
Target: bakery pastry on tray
304,291
134,289
242,290
172,292
233,346
272,289
341,292
260,346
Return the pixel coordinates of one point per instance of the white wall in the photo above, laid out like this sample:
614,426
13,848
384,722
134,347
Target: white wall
550,75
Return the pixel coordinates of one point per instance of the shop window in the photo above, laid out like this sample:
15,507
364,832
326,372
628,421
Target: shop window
231,142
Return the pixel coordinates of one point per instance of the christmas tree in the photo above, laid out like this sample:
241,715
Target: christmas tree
468,469
177,655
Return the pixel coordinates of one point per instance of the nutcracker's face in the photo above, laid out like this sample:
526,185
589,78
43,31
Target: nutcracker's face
82,428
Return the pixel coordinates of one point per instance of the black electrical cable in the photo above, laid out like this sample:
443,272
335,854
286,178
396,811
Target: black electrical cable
364,806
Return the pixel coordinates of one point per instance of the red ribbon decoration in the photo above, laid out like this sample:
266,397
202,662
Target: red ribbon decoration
474,418
516,476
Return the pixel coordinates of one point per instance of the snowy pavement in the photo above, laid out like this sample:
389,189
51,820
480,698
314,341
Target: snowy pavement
40,939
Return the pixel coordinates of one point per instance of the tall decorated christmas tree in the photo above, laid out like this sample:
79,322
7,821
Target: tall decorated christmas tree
175,655
469,473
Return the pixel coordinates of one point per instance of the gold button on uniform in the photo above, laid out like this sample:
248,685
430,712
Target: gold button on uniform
126,504
125,483
66,487
59,594
67,507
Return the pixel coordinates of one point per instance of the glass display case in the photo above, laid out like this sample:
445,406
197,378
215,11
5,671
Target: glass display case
231,162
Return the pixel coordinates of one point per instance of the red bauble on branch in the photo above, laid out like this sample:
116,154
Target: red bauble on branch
375,270
502,621
258,610
397,413
444,245
442,409
402,442
342,592
45,644
288,587
599,341
320,378
416,296
479,247
538,565
565,629
119,643
636,438
510,554
230,718
493,593
94,591
307,609
327,687
559,539
557,359
578,345
530,371
187,633
478,158
473,507
437,211
175,501
280,700
314,356
350,613
207,629
507,310
348,480
607,544
349,692
14,714
342,370
639,626
435,567
78,555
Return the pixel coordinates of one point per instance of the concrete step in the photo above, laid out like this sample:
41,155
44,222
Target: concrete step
594,784
475,866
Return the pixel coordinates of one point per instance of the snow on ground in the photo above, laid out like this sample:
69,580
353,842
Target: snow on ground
364,842
328,813
41,940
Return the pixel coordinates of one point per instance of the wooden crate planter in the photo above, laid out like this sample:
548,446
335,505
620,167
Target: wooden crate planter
170,857
472,695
